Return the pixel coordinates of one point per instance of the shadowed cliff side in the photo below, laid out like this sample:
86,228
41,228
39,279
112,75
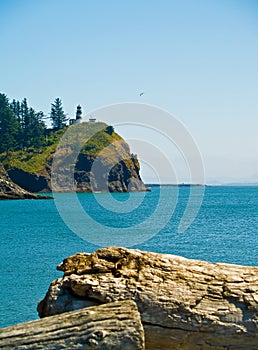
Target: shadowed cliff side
9,190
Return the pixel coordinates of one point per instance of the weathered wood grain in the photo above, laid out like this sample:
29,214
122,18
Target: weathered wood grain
113,326
184,304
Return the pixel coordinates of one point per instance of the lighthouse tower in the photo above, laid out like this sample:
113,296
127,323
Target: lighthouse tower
78,115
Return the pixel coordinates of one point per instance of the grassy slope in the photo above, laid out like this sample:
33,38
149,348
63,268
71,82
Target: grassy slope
34,160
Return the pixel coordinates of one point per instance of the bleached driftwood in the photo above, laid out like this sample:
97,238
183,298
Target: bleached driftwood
184,304
113,326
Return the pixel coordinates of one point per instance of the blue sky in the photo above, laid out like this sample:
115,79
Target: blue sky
196,59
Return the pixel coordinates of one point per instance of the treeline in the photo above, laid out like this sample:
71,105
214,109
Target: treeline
22,127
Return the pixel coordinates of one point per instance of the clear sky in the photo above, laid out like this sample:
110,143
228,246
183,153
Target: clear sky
196,59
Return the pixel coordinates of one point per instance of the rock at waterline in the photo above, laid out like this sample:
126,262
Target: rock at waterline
9,190
184,304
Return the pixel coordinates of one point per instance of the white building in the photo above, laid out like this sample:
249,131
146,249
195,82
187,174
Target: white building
92,120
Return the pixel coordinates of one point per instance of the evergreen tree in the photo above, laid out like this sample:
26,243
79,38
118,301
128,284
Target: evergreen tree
8,126
57,115
109,129
25,123
36,129
16,108
30,125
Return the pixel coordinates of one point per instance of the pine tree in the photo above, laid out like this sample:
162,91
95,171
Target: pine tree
16,108
30,125
25,123
36,129
8,126
57,115
109,129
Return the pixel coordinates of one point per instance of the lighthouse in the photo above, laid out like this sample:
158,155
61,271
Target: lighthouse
78,115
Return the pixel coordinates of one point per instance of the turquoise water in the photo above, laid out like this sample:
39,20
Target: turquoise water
34,238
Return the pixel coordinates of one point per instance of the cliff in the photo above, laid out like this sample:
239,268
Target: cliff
9,190
184,304
104,162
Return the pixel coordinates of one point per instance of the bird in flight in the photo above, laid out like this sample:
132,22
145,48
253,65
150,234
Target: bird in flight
141,93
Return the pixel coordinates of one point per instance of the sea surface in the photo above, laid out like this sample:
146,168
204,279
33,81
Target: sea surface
35,238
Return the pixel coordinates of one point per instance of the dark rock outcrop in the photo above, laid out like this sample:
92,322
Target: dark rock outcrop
184,304
29,181
9,190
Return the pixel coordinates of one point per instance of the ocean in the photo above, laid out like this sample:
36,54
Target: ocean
36,235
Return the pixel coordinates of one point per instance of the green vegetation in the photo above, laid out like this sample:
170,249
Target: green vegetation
57,115
27,144
8,126
22,128
33,160
99,141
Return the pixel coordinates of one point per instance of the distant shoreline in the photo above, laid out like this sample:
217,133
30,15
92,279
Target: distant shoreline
180,185
205,185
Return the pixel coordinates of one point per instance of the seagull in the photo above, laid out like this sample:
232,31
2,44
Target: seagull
141,93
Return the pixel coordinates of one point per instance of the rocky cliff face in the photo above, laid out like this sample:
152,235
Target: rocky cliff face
184,304
9,190
104,163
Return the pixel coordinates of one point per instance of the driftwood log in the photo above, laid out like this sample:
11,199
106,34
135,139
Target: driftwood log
113,326
184,304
